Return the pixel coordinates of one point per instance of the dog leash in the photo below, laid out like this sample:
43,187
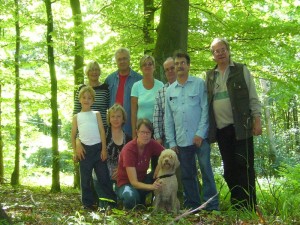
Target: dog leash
166,175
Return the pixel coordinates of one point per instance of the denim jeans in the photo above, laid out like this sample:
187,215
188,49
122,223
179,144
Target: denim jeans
238,162
208,182
190,182
131,196
93,161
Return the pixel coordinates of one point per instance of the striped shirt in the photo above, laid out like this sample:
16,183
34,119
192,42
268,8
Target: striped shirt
101,103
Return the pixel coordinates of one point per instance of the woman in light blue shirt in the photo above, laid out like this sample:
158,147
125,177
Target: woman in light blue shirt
143,93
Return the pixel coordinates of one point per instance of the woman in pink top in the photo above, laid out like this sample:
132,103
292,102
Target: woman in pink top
133,181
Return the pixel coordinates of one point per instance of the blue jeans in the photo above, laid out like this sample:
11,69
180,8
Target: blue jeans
190,182
208,182
131,196
93,161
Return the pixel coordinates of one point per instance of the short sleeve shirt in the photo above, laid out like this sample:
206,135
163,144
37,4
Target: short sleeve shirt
129,157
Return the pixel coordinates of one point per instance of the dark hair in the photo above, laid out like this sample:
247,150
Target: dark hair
146,122
182,54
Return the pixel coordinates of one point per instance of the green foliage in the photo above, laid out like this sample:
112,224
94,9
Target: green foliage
263,34
43,158
278,201
281,197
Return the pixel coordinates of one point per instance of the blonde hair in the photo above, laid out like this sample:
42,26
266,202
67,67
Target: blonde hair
87,89
90,66
116,107
145,58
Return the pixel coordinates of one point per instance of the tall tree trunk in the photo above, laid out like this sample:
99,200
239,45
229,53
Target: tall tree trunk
79,42
296,122
78,62
16,173
54,129
271,141
148,28
1,142
172,32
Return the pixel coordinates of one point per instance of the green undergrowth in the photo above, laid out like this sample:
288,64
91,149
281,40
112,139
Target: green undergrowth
278,203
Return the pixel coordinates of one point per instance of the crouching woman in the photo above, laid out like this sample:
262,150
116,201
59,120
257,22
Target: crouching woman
133,181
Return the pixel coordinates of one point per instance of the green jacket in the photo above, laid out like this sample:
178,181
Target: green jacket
239,97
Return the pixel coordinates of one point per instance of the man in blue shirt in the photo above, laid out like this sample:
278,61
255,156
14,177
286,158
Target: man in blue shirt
120,83
186,125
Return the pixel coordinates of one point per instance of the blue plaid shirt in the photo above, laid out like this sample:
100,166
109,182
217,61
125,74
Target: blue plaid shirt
159,112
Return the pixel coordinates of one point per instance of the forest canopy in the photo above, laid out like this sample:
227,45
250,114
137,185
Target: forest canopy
37,87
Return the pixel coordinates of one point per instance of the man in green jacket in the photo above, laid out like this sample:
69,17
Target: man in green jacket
234,117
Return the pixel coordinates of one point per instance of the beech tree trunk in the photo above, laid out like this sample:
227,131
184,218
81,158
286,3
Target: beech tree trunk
78,63
55,187
172,32
148,27
1,142
272,147
15,177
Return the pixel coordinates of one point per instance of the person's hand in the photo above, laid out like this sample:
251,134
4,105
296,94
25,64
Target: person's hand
75,158
80,151
159,141
103,154
257,129
157,184
175,149
114,175
197,141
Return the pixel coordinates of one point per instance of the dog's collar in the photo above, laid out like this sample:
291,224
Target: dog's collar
166,175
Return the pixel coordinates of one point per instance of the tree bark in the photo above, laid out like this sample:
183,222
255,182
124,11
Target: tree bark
148,27
296,122
78,62
172,32
272,147
15,177
78,43
54,129
1,142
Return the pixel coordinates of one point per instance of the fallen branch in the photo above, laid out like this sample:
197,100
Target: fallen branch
31,198
194,210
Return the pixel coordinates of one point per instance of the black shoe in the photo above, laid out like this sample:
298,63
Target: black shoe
90,207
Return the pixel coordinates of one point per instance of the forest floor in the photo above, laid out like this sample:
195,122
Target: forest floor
36,205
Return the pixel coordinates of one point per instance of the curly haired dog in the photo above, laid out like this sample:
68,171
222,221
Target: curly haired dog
166,196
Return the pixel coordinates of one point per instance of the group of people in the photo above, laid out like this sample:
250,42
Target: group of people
120,127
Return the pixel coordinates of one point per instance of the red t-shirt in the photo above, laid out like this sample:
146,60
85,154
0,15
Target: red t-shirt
120,91
129,157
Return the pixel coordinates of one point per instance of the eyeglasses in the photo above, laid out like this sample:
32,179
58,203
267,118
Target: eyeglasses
180,63
148,64
144,132
219,51
172,68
